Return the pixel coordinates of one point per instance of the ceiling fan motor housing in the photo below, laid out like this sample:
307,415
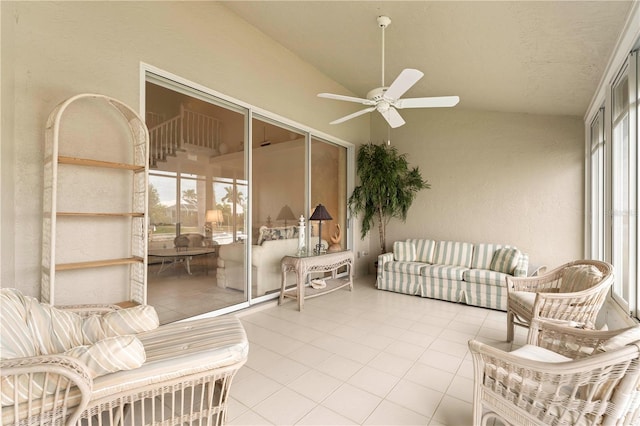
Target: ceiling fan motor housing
377,94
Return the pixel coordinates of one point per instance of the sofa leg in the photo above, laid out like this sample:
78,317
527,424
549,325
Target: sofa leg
510,327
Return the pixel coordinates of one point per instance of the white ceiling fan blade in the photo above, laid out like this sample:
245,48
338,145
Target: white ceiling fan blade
434,102
354,115
393,117
346,98
407,78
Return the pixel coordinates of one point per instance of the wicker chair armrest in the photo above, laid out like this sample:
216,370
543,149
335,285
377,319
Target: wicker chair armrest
58,374
581,307
88,310
545,392
547,283
568,338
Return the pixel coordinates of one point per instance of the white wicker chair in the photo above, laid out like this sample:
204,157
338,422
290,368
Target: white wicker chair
591,388
185,379
540,296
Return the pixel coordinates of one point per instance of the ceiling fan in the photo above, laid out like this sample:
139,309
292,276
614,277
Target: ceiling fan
386,100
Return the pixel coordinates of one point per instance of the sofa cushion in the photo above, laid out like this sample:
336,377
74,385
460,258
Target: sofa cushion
132,320
411,268
522,266
15,336
483,254
453,253
579,277
404,251
425,249
54,330
283,233
110,355
179,349
444,271
485,277
536,353
505,259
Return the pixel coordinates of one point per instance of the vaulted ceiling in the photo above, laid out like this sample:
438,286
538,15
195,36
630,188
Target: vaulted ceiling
539,57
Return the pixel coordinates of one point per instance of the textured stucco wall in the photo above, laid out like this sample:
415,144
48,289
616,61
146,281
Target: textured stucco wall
496,178
66,48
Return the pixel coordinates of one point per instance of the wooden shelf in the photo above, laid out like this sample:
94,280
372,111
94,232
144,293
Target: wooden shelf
100,214
98,263
97,163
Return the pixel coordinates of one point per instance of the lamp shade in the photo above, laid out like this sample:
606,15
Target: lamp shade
213,216
286,213
320,213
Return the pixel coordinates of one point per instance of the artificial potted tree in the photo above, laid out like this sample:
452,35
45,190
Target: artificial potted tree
387,188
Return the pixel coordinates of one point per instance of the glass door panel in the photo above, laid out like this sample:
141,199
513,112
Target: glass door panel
278,200
197,202
329,188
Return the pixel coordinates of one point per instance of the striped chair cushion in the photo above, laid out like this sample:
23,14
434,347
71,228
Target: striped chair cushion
120,322
579,277
444,271
404,251
15,336
505,260
110,355
412,268
453,253
425,249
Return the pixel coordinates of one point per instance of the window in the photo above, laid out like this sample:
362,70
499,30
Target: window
612,185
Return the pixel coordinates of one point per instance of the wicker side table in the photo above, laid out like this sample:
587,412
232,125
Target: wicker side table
303,265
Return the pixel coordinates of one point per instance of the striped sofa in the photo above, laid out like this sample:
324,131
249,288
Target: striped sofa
101,365
463,272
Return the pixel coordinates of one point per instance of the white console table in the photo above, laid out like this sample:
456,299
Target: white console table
303,265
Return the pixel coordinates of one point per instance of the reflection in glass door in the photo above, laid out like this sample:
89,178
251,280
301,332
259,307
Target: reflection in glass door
278,200
197,202
329,188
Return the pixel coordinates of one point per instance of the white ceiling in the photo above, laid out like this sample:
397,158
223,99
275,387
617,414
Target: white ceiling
540,57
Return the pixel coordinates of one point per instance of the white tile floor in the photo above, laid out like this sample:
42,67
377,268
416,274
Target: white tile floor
365,357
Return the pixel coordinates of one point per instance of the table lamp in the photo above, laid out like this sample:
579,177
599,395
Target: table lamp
320,214
286,214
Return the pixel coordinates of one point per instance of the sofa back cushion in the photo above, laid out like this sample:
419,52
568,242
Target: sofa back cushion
54,330
453,253
425,249
483,254
404,251
15,336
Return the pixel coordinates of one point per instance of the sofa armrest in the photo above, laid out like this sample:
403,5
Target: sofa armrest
382,259
61,375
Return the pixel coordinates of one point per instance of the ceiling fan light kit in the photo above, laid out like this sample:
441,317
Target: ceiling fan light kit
387,100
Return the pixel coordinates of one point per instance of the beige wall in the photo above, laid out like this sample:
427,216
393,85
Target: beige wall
53,50
504,178
496,178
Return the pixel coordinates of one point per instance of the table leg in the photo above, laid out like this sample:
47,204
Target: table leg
187,260
283,286
301,276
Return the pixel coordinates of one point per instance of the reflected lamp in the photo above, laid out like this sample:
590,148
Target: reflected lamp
212,216
286,214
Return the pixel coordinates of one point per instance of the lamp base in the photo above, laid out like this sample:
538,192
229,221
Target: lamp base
319,249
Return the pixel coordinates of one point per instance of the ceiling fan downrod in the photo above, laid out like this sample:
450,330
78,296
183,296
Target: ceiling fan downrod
383,22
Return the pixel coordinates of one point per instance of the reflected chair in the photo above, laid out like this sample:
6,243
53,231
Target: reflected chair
574,292
563,376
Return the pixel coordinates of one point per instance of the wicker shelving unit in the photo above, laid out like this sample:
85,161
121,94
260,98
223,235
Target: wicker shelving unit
94,236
